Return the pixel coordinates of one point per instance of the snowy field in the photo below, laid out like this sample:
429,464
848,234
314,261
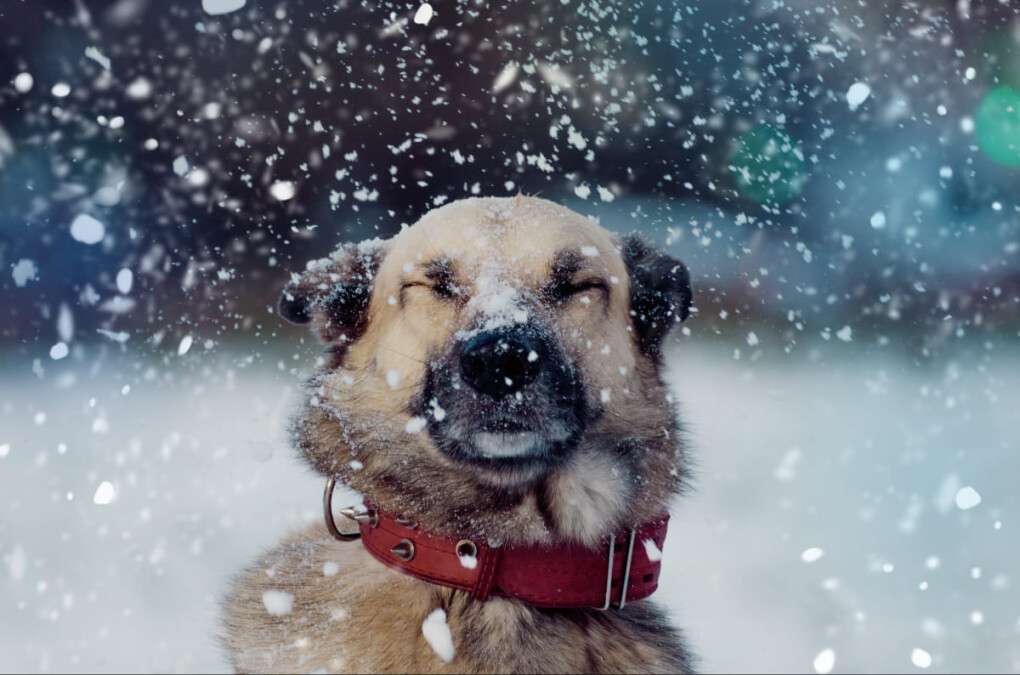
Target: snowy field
827,514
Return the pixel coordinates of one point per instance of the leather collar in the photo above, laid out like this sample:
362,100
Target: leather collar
562,576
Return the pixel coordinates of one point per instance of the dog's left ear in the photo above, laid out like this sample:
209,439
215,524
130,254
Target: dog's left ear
333,293
660,291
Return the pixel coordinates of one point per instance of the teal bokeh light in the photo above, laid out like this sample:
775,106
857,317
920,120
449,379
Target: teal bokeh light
997,126
998,58
768,166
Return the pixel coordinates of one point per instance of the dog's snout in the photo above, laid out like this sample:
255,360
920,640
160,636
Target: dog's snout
499,363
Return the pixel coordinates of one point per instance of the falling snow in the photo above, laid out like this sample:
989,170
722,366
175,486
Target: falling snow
467,561
23,82
838,177
652,550
105,494
283,190
181,166
423,15
96,55
23,272
920,658
217,7
125,280
857,94
59,351
825,661
967,498
811,555
415,425
87,230
278,603
437,635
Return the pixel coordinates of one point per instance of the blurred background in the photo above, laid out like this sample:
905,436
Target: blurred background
841,178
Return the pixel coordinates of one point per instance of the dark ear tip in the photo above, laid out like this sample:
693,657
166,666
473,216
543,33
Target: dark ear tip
661,294
633,246
685,311
294,308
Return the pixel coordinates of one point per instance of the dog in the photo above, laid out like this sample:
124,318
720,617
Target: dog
493,377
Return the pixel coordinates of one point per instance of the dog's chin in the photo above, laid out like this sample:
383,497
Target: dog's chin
507,459
508,445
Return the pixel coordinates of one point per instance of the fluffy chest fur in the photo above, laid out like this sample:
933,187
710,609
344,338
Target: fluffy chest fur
316,605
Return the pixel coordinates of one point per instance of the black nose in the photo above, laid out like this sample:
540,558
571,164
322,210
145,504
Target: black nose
499,363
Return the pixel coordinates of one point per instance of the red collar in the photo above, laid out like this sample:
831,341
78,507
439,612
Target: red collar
564,576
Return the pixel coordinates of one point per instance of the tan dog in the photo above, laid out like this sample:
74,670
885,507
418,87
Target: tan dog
565,435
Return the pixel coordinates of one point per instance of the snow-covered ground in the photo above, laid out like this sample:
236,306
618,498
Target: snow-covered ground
827,512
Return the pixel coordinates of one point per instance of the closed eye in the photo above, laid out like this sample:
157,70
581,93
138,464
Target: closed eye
442,290
564,291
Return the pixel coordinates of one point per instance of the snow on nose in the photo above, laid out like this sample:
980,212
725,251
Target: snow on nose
497,301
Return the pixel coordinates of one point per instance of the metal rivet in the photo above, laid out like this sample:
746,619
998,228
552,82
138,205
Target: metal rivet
370,517
467,549
406,522
404,550
327,509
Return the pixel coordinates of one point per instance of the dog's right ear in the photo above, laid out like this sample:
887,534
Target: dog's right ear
333,293
660,291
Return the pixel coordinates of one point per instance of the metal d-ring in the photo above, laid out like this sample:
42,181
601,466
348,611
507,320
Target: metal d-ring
327,512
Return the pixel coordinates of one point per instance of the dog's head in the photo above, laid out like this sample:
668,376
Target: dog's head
495,369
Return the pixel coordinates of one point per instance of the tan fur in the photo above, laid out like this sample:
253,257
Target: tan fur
628,465
367,618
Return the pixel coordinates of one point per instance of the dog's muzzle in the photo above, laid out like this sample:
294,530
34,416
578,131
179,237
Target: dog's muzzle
510,400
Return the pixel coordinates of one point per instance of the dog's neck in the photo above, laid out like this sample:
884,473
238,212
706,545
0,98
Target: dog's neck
581,503
565,575
607,486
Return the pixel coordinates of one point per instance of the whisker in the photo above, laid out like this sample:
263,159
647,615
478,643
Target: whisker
406,356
